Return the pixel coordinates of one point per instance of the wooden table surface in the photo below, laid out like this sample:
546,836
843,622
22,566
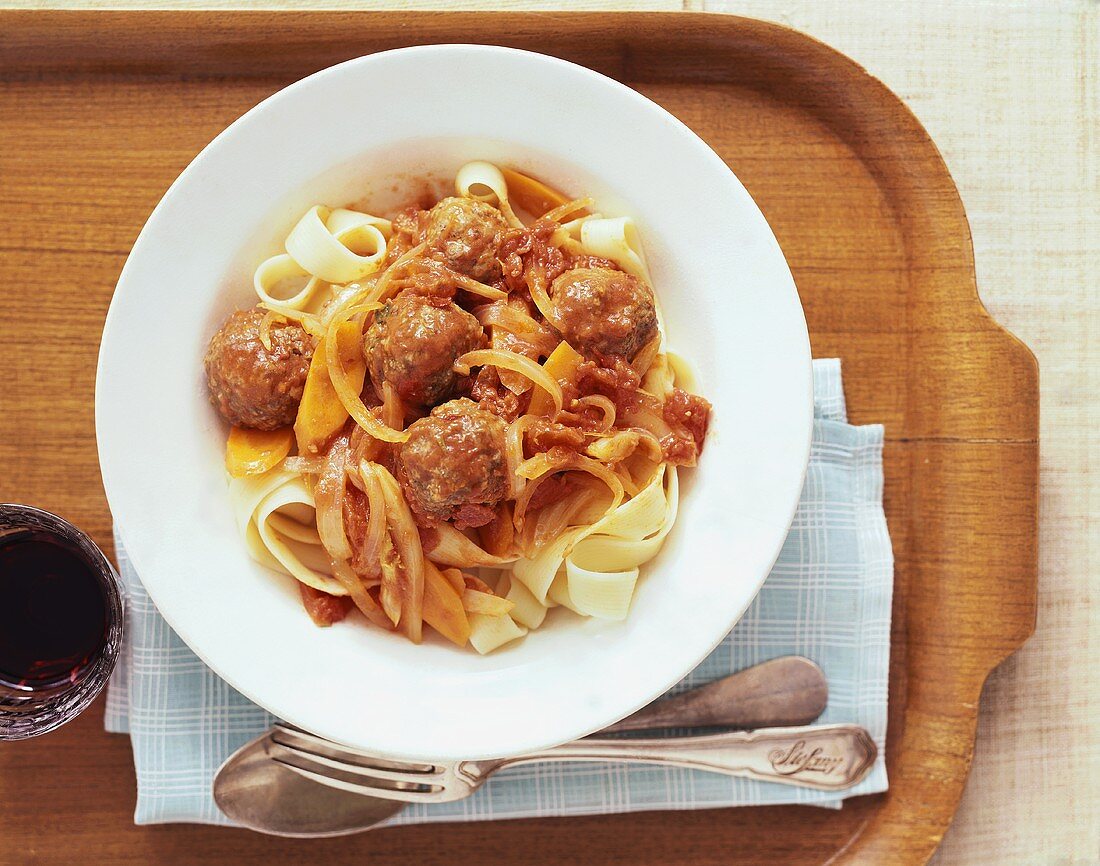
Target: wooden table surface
1010,93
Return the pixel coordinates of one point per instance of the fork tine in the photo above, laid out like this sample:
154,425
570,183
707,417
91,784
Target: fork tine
359,767
333,781
303,741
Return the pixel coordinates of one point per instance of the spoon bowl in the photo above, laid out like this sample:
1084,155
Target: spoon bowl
264,795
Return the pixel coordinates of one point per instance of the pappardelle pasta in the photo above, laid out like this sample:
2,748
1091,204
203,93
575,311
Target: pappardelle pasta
460,417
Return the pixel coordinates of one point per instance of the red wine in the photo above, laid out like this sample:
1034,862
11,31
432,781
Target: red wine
54,613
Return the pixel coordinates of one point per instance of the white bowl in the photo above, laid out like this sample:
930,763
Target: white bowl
350,133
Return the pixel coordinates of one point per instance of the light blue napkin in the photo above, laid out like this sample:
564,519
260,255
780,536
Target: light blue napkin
827,598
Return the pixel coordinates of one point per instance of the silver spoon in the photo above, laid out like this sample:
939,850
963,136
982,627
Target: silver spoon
782,692
258,792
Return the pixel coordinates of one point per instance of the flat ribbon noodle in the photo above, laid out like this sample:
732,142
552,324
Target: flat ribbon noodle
319,243
266,508
594,568
527,610
484,182
488,633
615,238
276,270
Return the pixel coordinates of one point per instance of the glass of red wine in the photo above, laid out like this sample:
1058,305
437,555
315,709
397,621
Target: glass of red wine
61,621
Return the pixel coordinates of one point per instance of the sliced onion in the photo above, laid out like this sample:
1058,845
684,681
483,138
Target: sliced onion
569,207
605,405
505,315
511,361
455,579
512,328
627,480
363,447
517,321
383,289
513,453
537,285
329,497
508,342
345,297
347,394
310,323
373,538
392,586
476,601
646,356
543,465
270,318
455,549
497,536
304,465
393,410
472,581
616,447
659,378
358,592
648,420
406,540
468,283
554,519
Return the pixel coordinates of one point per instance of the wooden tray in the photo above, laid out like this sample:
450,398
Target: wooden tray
101,110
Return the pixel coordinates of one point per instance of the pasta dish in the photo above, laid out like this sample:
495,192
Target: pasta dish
458,417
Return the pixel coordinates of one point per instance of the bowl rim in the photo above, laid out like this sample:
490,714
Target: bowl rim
112,325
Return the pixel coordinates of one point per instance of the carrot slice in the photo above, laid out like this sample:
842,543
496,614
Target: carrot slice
562,366
532,195
321,414
253,452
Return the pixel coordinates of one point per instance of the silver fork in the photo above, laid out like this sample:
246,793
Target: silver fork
825,757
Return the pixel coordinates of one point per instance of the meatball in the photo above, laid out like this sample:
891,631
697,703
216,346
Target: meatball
604,312
466,235
452,466
413,343
251,385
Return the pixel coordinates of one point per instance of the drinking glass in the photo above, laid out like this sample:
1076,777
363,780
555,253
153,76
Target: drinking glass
29,708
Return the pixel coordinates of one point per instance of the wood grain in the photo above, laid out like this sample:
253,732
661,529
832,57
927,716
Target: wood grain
100,111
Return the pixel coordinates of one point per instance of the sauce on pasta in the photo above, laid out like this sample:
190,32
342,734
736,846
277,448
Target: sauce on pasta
460,417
